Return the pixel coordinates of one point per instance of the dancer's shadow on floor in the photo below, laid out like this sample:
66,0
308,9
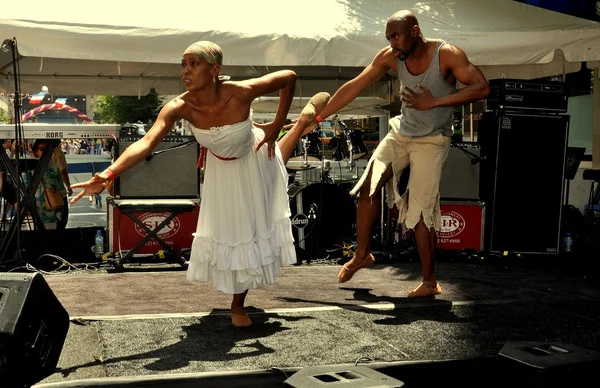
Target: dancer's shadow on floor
211,338
406,311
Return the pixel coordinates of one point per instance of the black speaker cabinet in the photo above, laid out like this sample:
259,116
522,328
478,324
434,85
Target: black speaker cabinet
33,328
169,174
522,180
460,175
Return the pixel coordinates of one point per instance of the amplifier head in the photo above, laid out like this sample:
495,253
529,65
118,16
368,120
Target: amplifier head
527,96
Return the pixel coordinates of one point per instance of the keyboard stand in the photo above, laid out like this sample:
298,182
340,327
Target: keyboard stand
25,196
172,206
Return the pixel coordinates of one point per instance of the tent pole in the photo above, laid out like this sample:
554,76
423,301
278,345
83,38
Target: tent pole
596,138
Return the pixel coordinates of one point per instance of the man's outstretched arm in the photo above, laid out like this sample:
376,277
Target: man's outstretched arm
351,89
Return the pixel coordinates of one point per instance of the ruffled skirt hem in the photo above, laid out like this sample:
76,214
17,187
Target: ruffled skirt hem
235,268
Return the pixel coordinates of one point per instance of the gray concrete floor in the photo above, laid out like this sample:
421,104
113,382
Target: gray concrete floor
150,321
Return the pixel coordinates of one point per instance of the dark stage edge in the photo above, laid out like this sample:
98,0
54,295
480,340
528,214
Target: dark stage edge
403,341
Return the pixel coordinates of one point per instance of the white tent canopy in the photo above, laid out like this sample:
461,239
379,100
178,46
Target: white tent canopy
360,106
127,47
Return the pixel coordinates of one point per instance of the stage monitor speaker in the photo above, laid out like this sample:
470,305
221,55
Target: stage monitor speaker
169,174
33,328
522,180
335,376
546,364
460,175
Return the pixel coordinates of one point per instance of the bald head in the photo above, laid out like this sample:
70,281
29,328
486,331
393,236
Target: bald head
405,19
403,33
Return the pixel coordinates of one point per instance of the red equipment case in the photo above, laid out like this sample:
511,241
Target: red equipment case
124,233
462,226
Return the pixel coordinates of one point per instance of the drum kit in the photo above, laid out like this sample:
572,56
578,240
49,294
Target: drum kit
346,147
323,212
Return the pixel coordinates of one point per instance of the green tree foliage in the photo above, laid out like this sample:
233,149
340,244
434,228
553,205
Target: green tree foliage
127,109
4,117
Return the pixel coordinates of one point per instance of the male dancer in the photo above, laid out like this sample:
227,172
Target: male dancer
428,71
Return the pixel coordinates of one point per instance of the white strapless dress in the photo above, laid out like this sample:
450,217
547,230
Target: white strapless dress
244,233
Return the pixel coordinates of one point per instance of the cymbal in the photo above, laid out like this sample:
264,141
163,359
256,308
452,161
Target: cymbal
395,106
296,163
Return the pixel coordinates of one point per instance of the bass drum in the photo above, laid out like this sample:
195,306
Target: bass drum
323,217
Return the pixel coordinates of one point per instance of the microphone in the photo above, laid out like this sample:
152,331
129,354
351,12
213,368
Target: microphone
343,125
7,44
312,212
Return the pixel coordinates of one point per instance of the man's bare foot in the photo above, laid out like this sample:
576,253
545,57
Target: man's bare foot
426,289
349,269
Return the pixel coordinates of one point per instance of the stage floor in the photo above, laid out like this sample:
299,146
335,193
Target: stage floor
150,321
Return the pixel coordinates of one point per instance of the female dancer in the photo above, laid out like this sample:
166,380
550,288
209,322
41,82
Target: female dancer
244,233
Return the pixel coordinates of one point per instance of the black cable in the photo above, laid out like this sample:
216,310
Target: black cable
320,214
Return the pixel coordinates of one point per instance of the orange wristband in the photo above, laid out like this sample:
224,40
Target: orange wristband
319,119
111,174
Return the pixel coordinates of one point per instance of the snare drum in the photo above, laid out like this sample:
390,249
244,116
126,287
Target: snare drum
313,151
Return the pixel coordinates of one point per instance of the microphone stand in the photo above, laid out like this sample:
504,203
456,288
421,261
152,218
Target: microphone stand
16,179
175,147
474,158
351,162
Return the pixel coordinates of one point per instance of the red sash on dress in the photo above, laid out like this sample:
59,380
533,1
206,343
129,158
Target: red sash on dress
203,156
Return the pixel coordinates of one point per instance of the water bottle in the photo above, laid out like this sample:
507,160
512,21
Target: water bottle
568,242
99,244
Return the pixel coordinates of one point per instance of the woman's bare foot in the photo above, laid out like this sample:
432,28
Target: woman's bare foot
305,123
239,318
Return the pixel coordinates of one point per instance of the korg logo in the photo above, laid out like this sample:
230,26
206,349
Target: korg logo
300,221
54,135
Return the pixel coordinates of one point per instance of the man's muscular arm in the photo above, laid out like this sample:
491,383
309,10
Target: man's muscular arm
468,74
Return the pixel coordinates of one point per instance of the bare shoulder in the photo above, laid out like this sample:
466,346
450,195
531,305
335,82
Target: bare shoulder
237,87
450,53
178,101
386,58
243,90
176,104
